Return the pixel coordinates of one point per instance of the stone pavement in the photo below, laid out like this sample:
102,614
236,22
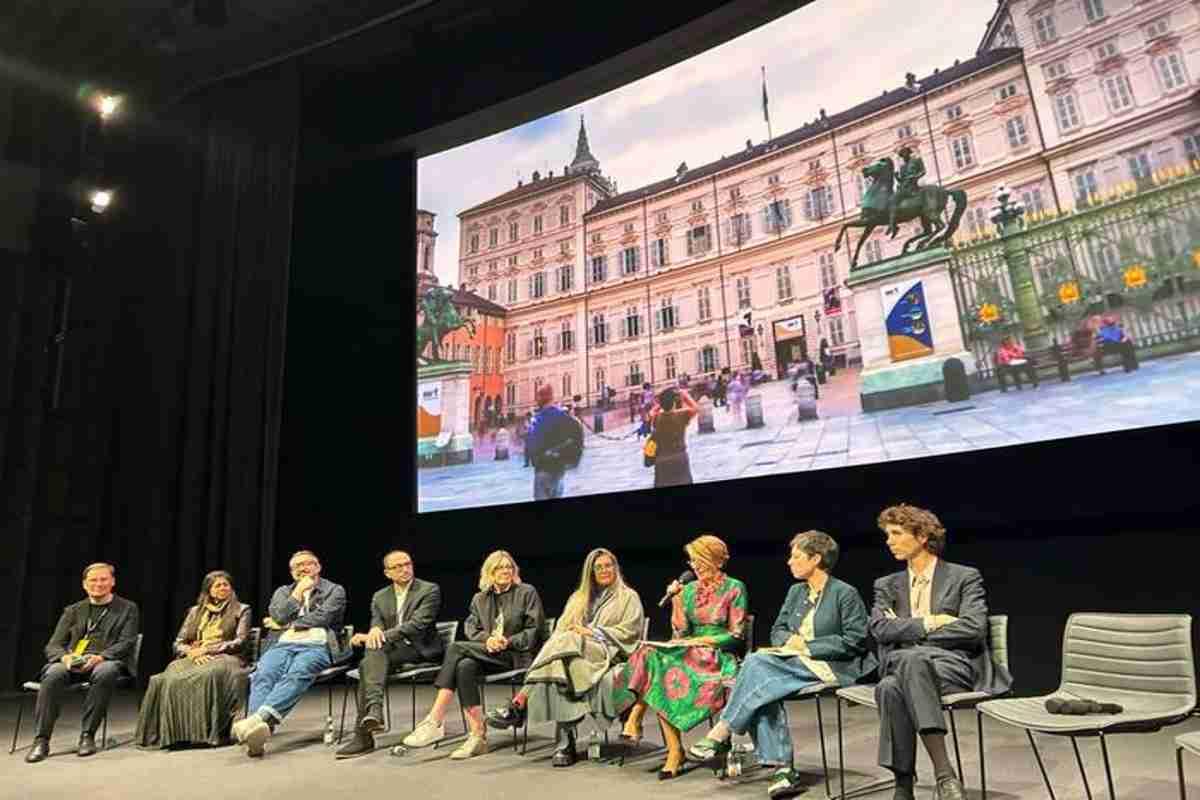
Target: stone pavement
1163,391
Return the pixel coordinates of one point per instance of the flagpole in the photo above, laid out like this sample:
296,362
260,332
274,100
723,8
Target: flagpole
766,113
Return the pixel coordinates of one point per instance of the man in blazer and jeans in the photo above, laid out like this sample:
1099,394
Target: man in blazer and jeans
304,637
930,621
403,631
93,641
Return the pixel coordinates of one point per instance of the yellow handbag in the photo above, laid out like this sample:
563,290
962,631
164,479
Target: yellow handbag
649,451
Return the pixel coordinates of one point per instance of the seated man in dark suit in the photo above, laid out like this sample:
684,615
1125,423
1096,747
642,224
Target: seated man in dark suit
403,631
94,642
931,624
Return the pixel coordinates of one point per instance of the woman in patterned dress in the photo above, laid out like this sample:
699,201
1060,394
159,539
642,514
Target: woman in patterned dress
684,680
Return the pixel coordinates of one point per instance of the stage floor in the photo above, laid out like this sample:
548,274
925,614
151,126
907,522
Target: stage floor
297,764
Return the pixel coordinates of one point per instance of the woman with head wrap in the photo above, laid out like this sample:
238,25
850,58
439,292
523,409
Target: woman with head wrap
572,675
684,680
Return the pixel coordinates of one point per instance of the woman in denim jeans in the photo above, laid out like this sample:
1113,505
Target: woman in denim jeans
820,636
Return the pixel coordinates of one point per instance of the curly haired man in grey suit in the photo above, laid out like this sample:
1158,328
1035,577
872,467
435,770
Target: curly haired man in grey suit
930,621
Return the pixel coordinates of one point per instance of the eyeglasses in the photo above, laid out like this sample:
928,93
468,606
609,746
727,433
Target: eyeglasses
504,568
395,567
308,563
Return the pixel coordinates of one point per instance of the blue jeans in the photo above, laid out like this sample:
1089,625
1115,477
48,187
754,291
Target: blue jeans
547,484
756,704
282,676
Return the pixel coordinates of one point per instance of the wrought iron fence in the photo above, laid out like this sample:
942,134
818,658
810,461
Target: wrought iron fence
1133,252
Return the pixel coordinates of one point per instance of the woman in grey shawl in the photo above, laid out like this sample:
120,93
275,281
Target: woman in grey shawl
572,674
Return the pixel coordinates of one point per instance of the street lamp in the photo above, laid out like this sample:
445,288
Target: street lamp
1007,214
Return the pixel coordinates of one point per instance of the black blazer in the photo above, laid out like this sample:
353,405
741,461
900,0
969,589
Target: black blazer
956,590
419,629
523,629
118,630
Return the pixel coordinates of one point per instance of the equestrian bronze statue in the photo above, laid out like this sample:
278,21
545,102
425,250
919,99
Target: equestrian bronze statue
892,200
437,317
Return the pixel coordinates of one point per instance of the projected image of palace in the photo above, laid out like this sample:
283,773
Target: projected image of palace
1064,145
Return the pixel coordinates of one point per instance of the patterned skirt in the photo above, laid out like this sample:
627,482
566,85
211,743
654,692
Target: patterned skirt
190,703
684,684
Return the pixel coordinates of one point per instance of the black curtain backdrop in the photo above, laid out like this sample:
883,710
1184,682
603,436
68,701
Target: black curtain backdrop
162,454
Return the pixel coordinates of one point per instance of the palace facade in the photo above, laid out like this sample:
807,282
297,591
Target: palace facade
736,258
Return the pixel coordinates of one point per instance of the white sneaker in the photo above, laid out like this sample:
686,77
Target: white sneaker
255,737
473,746
425,734
239,728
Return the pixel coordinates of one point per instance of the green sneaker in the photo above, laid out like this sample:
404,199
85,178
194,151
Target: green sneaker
707,750
785,783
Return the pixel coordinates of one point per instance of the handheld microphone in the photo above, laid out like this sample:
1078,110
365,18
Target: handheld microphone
685,578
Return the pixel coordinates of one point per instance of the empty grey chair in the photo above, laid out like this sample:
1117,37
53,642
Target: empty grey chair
864,695
1142,662
1191,743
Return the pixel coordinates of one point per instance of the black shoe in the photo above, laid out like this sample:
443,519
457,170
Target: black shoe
565,756
362,744
39,751
511,716
372,721
87,745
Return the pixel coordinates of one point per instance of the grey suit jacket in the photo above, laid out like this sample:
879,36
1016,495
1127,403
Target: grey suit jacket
419,629
956,590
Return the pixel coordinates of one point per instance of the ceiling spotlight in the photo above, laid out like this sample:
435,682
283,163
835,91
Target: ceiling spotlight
107,106
101,199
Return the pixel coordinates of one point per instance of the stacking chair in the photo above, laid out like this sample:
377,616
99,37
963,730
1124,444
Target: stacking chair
864,695
1191,743
253,651
514,678
410,674
124,682
1143,662
330,676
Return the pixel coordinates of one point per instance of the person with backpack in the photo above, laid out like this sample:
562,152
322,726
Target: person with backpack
554,444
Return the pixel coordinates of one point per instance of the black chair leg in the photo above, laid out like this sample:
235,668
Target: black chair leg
1082,772
841,750
17,730
821,737
1178,766
1041,766
387,707
413,698
962,778
982,762
1112,793
345,697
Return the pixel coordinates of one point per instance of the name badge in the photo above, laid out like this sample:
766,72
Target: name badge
81,646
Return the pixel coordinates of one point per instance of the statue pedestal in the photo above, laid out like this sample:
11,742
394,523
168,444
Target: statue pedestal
908,326
443,414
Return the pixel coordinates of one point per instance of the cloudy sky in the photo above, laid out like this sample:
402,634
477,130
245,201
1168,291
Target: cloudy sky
831,54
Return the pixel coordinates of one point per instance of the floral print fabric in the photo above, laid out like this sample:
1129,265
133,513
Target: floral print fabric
687,684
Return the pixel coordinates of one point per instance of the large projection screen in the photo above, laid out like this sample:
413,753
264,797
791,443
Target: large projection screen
706,257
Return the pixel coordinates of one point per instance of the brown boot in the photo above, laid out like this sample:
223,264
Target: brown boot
671,738
632,732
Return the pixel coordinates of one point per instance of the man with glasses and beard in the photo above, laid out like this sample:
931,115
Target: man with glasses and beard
303,638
